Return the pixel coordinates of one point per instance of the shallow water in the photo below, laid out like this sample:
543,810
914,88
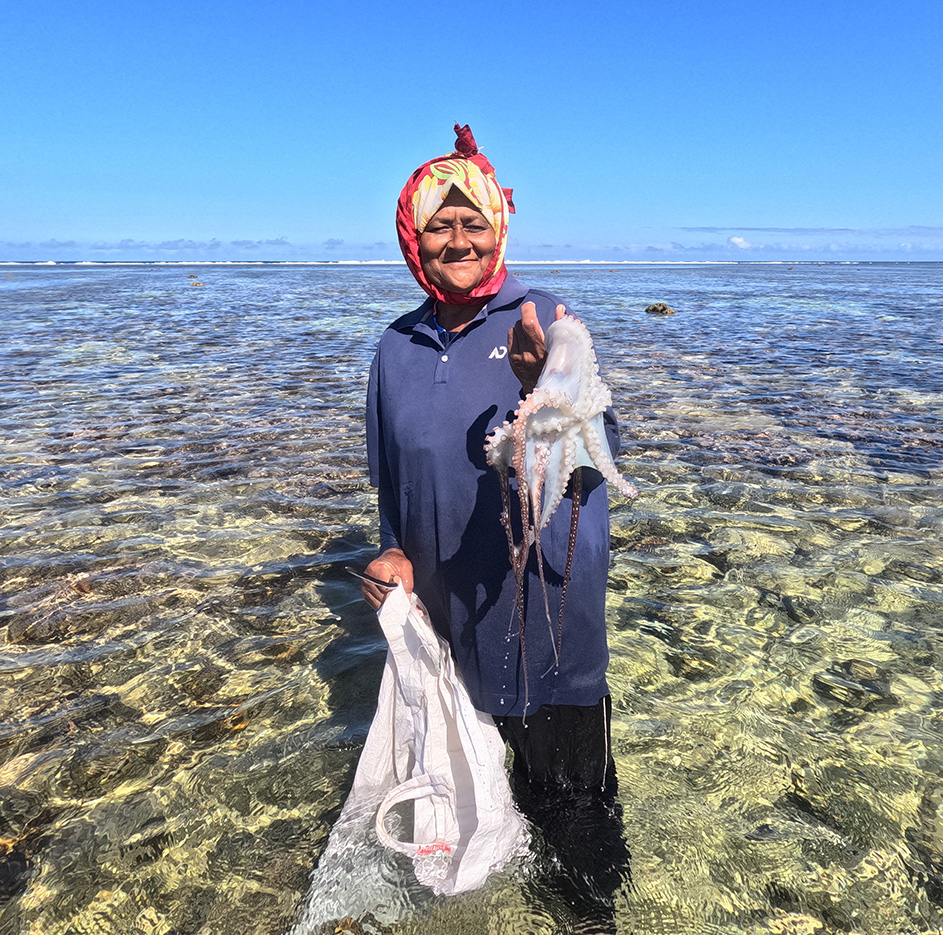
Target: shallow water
187,673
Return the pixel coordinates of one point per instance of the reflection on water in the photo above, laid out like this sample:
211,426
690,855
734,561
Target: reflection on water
187,673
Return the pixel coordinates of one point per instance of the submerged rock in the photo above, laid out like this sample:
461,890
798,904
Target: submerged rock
660,308
856,684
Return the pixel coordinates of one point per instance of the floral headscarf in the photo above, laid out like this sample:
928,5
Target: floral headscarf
423,195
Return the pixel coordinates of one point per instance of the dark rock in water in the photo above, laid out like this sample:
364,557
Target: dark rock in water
694,663
97,768
855,684
49,629
719,559
799,611
659,308
15,867
924,838
913,571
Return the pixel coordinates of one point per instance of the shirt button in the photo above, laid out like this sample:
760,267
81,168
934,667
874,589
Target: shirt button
445,357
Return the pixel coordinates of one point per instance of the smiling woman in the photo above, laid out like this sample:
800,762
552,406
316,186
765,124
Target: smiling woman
439,381
463,180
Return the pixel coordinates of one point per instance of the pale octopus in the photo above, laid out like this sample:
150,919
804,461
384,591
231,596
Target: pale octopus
557,430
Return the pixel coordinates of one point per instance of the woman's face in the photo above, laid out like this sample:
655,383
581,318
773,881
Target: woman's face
456,246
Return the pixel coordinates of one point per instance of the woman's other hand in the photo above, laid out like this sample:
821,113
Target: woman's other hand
391,565
526,349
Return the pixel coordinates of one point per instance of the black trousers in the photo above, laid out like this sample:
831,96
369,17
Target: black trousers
564,782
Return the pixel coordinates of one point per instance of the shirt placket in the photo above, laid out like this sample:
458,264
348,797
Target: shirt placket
443,364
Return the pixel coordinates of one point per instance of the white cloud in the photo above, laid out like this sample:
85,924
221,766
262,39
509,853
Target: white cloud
255,244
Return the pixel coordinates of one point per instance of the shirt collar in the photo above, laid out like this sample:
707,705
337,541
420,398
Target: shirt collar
510,294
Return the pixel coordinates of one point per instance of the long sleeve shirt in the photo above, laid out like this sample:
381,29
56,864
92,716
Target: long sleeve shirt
432,400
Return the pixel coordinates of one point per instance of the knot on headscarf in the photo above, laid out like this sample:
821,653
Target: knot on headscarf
465,143
469,170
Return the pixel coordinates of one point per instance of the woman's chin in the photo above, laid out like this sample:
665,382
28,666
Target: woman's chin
459,284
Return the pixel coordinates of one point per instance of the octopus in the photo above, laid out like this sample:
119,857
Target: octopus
557,430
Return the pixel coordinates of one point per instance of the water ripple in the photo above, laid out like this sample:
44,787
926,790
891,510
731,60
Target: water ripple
188,673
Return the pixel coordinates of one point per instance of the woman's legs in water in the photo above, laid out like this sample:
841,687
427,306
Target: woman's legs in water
564,782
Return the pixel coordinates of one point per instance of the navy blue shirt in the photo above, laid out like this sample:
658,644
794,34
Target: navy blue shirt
429,409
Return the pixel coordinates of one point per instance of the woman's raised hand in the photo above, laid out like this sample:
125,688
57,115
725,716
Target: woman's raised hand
526,349
391,565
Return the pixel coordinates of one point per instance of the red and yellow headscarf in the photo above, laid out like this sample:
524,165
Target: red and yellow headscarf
423,195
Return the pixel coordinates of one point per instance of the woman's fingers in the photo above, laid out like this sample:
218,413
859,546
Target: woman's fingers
372,594
527,348
530,323
392,566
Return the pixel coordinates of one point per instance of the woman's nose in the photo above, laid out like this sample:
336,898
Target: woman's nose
459,239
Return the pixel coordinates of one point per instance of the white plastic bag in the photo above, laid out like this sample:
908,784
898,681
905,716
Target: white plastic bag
427,744
448,758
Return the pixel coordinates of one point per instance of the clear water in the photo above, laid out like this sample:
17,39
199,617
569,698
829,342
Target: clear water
186,672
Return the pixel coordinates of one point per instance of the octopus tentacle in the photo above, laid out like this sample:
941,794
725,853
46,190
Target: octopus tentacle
543,588
593,439
577,494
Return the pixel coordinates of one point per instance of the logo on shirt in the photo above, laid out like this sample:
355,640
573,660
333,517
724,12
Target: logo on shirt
499,353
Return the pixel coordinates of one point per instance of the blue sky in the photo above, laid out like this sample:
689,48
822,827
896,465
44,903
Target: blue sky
669,130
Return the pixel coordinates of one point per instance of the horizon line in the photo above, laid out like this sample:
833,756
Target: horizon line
584,262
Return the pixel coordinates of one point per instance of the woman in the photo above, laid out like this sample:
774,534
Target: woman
439,383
